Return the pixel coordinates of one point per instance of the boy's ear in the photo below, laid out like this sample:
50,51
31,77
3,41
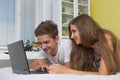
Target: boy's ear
57,38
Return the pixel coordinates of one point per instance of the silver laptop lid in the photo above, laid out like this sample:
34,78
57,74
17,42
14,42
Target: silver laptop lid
18,58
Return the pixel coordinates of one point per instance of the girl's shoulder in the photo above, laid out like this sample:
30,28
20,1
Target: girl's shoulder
109,40
108,36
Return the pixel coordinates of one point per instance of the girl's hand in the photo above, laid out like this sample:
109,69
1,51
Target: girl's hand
58,69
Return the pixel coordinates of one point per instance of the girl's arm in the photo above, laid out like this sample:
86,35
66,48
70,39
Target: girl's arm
59,69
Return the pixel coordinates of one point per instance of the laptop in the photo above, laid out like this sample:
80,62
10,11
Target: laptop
19,62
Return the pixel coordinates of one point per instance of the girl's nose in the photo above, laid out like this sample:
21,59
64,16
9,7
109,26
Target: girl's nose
72,36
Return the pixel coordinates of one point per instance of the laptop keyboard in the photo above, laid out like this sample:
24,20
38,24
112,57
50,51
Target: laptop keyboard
40,72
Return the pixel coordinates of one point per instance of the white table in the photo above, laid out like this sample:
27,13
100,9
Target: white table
7,74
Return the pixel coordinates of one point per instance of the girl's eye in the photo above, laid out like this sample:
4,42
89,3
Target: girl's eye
73,31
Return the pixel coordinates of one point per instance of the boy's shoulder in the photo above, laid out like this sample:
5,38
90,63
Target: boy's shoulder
65,42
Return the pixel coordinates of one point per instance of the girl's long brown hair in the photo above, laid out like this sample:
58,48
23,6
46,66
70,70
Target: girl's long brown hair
90,33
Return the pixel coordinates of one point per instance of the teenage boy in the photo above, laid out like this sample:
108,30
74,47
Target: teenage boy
53,50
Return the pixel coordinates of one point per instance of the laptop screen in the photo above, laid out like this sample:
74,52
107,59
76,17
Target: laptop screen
18,58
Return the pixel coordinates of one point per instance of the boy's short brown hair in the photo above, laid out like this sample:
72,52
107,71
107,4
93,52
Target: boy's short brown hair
47,27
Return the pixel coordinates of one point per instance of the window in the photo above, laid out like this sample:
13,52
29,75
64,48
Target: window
28,12
7,21
17,18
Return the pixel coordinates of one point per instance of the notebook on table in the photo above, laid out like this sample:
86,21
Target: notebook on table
19,62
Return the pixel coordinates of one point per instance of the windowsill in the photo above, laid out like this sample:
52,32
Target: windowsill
3,47
29,54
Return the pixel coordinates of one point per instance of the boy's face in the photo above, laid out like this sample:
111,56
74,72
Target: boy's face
48,44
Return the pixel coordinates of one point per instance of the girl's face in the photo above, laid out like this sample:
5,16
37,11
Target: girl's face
75,35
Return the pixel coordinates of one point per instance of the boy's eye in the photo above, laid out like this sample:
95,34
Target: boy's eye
46,42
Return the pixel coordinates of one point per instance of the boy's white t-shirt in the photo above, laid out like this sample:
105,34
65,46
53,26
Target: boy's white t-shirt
62,56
